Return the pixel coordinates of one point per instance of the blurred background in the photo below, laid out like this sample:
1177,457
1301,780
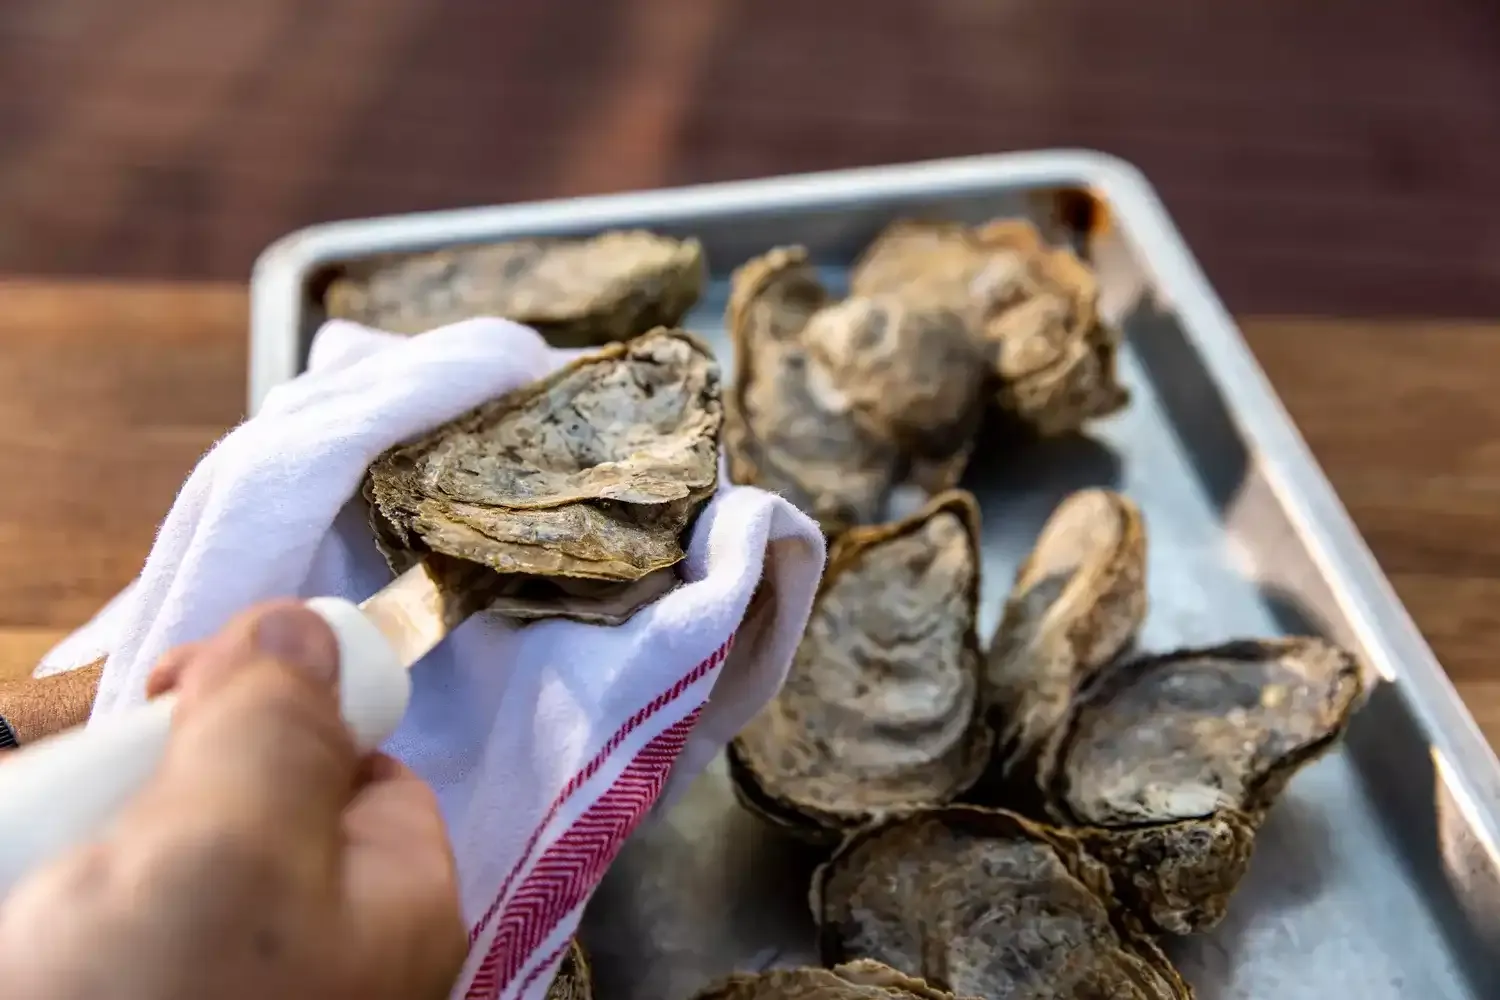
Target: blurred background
1331,163
1330,157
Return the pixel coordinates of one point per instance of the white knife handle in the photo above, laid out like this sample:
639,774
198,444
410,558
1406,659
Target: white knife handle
64,789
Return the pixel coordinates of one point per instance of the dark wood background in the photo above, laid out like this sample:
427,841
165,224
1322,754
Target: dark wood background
1322,156
1325,158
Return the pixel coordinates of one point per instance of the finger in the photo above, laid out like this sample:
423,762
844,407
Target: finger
259,758
393,809
401,880
284,631
168,670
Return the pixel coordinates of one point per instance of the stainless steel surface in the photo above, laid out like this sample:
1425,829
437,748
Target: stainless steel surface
1376,876
413,613
418,609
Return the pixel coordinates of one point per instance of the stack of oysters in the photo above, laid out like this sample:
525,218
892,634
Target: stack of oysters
1019,818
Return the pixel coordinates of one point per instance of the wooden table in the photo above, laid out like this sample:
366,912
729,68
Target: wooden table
110,392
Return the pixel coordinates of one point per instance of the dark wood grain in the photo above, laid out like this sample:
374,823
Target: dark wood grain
1329,158
109,392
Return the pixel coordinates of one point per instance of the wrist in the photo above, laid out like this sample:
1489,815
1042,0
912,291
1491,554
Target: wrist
36,707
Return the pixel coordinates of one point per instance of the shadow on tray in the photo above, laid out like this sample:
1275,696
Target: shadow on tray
1193,405
698,893
1297,837
1291,616
1012,461
1397,773
1020,480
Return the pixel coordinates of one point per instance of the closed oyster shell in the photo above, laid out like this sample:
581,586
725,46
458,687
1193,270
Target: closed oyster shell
835,403
575,292
1169,763
577,489
1078,599
906,374
779,435
880,710
974,270
860,980
574,979
985,903
1033,309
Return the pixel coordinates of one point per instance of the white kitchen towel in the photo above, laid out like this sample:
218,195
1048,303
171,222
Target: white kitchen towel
547,743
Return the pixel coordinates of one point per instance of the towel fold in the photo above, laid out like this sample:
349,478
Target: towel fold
547,743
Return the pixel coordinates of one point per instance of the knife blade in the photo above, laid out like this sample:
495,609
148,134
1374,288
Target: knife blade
421,607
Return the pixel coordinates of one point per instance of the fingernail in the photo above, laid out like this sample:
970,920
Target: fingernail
299,637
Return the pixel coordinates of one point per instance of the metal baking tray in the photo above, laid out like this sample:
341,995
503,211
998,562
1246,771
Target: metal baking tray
1376,875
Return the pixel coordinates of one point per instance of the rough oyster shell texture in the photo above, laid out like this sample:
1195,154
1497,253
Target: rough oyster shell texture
1077,601
881,708
835,403
577,488
1033,309
575,292
859,980
1169,764
574,979
907,374
984,903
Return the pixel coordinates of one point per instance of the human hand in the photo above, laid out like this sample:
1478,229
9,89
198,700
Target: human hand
266,857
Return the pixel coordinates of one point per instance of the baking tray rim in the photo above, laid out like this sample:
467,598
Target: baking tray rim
1466,763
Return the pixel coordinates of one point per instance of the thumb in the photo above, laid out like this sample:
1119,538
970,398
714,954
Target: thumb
258,749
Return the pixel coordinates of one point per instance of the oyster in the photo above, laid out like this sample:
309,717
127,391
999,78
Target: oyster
1077,600
860,980
880,710
575,292
1168,764
576,489
574,979
835,403
1033,309
909,375
984,903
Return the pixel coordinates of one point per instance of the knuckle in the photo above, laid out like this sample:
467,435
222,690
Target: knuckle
424,803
